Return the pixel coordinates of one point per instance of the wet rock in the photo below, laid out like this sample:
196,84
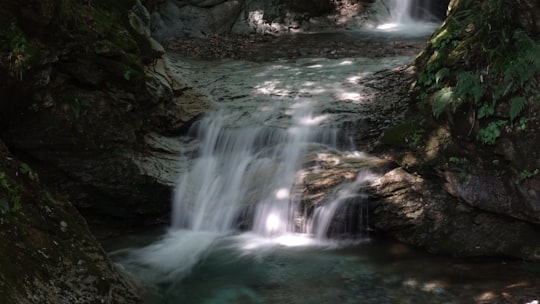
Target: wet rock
172,19
496,194
198,18
417,211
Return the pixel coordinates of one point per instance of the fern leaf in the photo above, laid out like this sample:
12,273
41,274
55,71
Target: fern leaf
441,74
517,104
486,110
443,98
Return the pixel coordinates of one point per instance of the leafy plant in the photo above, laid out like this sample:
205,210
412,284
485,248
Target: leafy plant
10,199
26,170
517,104
443,98
491,132
522,126
460,164
127,75
479,58
525,174
21,51
458,160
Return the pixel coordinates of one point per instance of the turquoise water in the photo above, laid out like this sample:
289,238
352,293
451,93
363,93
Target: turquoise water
246,268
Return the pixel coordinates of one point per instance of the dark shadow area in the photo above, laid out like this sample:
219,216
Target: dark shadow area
429,10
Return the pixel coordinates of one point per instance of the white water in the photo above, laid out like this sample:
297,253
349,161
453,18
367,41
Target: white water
253,146
250,155
322,216
246,169
394,16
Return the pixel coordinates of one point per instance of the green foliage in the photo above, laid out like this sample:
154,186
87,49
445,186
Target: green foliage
10,199
517,104
69,12
458,160
21,52
415,139
526,174
522,126
127,75
480,58
460,164
491,132
443,98
470,86
26,170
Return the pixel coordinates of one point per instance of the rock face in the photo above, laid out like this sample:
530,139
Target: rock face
429,9
48,253
419,212
99,105
171,19
461,191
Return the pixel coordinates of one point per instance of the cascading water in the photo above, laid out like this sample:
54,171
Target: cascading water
246,171
322,215
251,152
409,17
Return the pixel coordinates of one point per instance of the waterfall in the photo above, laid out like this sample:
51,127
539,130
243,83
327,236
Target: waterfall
322,216
409,17
274,129
400,11
244,174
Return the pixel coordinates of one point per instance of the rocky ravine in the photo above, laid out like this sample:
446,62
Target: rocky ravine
115,156
91,120
104,133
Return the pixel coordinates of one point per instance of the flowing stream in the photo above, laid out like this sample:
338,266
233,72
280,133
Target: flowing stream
240,233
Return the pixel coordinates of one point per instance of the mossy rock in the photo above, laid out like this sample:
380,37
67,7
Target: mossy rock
48,253
402,134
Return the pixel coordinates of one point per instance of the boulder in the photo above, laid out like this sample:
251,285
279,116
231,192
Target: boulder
420,212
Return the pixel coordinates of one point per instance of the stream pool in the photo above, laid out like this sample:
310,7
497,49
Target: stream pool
202,268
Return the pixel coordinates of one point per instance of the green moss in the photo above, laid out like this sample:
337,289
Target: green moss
405,134
22,53
10,196
480,58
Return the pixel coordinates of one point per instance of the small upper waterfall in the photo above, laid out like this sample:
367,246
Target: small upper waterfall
410,17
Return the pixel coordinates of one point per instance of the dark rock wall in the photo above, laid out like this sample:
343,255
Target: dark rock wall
48,252
461,194
81,105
